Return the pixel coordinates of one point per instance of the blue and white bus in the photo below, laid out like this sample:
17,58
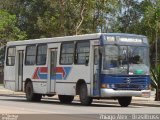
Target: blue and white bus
93,66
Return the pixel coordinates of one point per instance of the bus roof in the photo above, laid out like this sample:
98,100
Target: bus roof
69,38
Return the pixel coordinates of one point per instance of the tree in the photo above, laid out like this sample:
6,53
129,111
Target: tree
50,18
156,81
152,20
129,16
8,29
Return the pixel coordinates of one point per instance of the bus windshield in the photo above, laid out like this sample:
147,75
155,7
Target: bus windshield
132,60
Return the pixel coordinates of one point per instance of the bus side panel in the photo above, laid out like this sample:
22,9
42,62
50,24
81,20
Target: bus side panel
65,88
33,73
67,85
68,89
40,87
9,77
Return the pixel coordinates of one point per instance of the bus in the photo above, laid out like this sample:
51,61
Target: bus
92,66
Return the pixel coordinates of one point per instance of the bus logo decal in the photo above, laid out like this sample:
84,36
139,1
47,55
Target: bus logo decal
35,75
61,73
40,73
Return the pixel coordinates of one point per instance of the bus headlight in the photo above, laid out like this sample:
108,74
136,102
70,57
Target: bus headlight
104,86
107,86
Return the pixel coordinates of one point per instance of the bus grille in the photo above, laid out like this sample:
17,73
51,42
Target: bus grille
132,83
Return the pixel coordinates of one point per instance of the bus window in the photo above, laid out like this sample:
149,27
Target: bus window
11,56
30,55
82,52
41,54
111,57
123,55
67,53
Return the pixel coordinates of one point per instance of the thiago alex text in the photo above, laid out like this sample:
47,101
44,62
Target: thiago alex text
129,116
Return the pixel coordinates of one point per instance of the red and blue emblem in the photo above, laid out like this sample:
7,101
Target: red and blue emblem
40,73
59,73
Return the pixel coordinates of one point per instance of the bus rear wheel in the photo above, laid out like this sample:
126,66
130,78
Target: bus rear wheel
30,95
124,101
84,98
65,98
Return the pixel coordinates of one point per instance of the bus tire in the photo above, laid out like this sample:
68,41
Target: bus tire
30,95
65,98
124,101
84,98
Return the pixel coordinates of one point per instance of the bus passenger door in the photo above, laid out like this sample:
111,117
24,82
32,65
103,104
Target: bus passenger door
52,70
20,70
96,71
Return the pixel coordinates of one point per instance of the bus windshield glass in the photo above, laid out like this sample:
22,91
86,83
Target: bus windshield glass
132,60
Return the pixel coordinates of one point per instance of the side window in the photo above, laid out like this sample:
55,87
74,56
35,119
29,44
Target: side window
41,54
82,52
111,57
30,55
67,53
11,56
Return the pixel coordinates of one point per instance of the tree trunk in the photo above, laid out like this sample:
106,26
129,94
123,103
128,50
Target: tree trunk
82,17
157,97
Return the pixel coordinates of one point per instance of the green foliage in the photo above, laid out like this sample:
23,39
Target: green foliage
129,15
8,29
152,24
152,19
155,82
48,18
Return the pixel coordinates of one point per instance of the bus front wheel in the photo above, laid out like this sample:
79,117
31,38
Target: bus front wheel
65,98
30,95
84,98
124,101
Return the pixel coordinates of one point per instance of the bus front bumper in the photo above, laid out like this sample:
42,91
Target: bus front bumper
123,93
